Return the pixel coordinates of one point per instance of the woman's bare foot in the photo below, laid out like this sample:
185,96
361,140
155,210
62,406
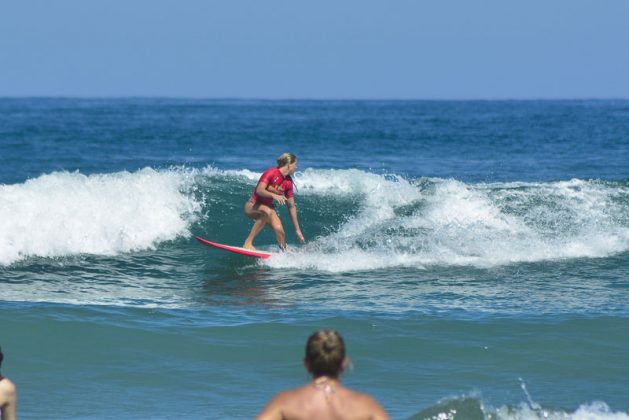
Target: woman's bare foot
249,246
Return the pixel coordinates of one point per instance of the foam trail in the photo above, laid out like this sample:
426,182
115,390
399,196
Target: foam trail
66,213
447,222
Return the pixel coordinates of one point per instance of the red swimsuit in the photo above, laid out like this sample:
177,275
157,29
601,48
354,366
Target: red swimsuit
276,183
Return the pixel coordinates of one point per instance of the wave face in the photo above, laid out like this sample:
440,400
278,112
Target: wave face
354,220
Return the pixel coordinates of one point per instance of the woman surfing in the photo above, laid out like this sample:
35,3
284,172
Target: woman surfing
275,185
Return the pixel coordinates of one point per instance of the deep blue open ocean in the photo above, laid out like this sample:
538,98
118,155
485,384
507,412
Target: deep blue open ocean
474,255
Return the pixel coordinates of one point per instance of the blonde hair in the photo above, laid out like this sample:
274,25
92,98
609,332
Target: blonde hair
286,159
325,353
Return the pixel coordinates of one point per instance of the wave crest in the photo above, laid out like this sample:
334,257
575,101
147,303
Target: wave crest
65,213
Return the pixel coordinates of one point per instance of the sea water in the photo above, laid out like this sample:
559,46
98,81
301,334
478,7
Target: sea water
474,255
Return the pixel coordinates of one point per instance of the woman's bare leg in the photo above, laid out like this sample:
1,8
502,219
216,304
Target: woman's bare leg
276,225
257,227
263,215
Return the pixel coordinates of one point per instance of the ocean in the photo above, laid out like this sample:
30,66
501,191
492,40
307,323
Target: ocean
473,254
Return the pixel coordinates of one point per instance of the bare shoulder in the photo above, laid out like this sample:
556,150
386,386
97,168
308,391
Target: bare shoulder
8,398
358,402
280,403
7,387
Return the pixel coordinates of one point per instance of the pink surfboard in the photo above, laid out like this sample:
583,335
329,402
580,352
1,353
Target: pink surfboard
235,249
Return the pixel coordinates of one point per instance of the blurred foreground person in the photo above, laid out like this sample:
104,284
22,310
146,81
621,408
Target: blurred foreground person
324,397
8,396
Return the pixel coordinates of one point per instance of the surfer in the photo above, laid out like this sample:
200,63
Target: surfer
8,397
275,185
324,397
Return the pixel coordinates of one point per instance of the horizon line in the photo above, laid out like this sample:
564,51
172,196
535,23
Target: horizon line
316,99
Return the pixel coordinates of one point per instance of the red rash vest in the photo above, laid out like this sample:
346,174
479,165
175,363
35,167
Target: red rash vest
276,183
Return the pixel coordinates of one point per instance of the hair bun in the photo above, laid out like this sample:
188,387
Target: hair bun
328,345
325,352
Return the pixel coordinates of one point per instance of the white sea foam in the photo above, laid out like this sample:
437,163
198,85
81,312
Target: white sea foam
472,406
453,223
66,213
596,410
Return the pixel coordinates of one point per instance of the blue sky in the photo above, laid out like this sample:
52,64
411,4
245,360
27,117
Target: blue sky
364,49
